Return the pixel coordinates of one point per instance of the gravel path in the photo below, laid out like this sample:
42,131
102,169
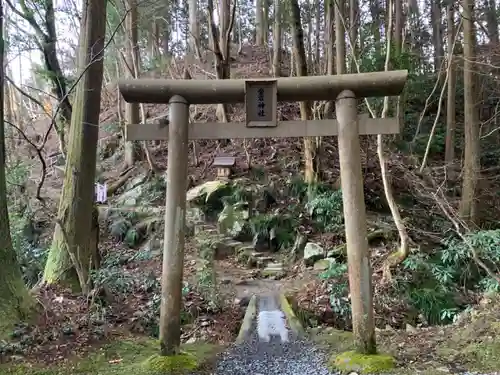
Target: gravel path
258,357
282,354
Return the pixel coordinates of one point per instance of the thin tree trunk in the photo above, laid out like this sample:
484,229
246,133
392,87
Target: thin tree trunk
133,149
311,151
277,39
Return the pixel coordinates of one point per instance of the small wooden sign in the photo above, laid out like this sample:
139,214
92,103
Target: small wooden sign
261,103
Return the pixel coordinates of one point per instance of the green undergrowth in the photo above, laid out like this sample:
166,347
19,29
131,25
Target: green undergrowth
472,344
138,356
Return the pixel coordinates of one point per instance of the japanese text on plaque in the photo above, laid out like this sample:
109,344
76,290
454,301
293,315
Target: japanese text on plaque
260,102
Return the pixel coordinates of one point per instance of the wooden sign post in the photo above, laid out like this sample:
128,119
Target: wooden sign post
260,98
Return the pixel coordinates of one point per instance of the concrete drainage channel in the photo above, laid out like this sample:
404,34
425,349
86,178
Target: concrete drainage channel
271,341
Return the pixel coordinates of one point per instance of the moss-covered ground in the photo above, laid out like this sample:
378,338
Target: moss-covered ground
133,355
472,344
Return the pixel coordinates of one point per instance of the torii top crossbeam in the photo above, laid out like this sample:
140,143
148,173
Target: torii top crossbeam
327,87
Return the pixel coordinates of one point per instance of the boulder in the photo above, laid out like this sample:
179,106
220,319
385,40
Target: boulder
233,220
131,197
194,215
226,248
312,253
206,191
323,264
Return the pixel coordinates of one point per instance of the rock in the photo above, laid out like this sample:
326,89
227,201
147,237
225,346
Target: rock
232,221
274,271
226,248
312,253
204,228
191,340
337,252
153,246
131,197
410,328
108,146
194,215
208,195
265,201
261,260
141,189
204,190
245,256
136,181
323,264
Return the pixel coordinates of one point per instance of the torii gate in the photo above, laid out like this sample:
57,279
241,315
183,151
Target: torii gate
260,98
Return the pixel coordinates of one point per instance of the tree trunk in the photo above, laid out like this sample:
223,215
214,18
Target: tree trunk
377,16
398,49
340,58
330,37
194,29
354,25
330,49
309,53
133,149
340,36
259,20
277,39
47,40
450,103
73,252
220,42
397,257
311,149
437,38
317,36
471,168
15,300
492,27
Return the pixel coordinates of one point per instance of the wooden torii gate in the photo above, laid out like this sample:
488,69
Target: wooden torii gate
260,98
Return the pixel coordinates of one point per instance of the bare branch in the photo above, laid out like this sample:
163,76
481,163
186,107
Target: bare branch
24,93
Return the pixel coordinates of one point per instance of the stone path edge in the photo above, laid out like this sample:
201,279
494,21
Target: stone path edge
248,319
292,319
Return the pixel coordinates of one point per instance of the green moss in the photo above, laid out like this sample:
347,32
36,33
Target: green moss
175,365
293,321
59,268
362,363
18,305
128,356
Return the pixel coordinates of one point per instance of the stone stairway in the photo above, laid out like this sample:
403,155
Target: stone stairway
245,252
